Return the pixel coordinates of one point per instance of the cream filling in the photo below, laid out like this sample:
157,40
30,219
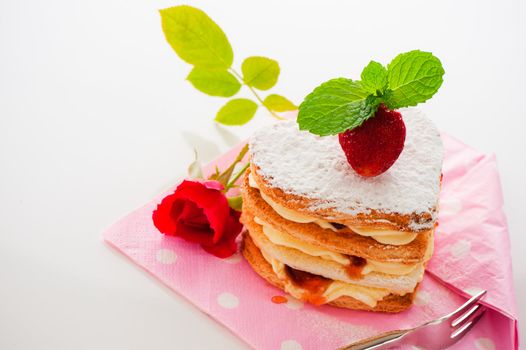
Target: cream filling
286,213
367,295
383,236
389,268
284,239
386,236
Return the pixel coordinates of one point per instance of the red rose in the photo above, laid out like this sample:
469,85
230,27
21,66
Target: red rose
198,212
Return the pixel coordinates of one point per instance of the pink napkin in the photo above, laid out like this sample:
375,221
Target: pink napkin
471,253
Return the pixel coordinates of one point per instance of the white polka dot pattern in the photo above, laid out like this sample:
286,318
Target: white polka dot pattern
166,256
484,344
291,345
422,298
228,300
460,249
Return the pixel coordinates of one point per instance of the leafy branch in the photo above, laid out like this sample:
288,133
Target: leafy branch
256,95
199,41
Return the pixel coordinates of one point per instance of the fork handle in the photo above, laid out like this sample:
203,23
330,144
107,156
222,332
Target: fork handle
381,341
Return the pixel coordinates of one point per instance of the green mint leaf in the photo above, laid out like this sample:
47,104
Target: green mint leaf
335,106
374,78
235,203
414,77
195,171
260,72
279,103
196,38
236,112
214,82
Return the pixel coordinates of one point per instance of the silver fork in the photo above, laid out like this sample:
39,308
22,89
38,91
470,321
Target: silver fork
434,335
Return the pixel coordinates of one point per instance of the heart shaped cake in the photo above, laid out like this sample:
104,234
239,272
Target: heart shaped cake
325,234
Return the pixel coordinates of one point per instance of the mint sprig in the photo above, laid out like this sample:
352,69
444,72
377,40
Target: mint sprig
338,104
374,78
343,104
414,77
199,41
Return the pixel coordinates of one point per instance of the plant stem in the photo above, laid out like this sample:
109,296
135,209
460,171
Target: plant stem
237,176
272,113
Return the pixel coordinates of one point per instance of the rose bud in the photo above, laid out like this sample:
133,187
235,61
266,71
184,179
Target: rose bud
198,212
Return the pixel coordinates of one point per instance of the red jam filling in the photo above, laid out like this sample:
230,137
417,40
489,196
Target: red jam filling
354,269
279,299
313,285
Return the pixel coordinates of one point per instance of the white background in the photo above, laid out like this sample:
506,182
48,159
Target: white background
96,118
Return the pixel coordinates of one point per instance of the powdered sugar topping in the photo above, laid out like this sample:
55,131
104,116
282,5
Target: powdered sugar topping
304,164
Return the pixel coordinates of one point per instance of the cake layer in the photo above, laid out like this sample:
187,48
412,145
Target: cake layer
359,265
343,241
385,236
398,284
310,175
389,303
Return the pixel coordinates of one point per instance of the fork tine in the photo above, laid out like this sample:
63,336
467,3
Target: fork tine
472,321
467,305
465,316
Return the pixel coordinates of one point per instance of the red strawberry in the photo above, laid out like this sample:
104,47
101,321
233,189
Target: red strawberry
374,146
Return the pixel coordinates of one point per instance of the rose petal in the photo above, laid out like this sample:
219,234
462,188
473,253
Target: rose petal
222,250
162,216
195,235
234,225
198,212
227,246
193,215
213,203
214,185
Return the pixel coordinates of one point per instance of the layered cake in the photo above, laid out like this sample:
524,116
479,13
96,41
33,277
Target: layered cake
327,235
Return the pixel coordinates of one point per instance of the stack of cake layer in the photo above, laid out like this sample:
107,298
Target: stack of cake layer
324,234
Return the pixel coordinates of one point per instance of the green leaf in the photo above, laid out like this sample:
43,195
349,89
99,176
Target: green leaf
260,72
195,171
414,77
235,203
335,106
236,112
374,78
196,38
214,82
279,103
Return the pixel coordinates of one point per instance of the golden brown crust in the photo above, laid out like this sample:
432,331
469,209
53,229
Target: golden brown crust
327,268
391,303
375,219
343,241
